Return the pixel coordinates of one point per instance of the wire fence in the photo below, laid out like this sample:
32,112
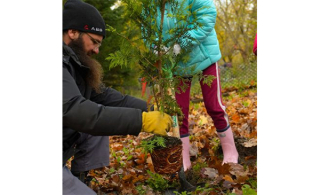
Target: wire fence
238,76
231,76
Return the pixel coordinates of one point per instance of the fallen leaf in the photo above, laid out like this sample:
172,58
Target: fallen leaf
250,157
244,127
128,188
241,179
232,110
237,191
210,172
117,146
193,149
244,111
250,143
115,178
235,168
126,177
139,178
203,120
140,158
252,82
100,180
227,184
150,164
228,178
253,134
235,118
248,102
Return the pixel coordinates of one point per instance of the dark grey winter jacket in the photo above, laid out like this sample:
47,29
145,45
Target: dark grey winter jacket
107,113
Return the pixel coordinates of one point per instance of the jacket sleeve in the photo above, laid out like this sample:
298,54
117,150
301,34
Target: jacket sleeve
111,97
86,116
206,15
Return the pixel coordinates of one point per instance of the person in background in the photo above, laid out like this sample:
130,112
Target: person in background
204,56
92,112
255,51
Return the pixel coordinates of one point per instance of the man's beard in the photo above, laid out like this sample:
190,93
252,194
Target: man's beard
94,78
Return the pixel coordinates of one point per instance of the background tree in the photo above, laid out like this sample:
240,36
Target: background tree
124,79
236,28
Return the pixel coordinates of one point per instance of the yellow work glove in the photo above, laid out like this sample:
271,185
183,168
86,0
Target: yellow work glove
156,122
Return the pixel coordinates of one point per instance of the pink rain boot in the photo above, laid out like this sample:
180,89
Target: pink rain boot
230,153
185,153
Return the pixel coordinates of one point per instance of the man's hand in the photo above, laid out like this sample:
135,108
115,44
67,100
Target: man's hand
156,122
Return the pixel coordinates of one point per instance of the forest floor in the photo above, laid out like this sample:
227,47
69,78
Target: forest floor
131,171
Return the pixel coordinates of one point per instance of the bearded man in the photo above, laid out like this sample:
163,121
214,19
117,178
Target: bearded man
92,112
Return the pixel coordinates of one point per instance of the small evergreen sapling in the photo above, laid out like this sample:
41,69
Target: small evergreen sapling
148,145
144,45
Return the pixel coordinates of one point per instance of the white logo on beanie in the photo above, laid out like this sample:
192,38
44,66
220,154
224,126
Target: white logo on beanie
96,29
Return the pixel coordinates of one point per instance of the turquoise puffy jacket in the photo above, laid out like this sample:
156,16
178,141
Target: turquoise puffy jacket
206,49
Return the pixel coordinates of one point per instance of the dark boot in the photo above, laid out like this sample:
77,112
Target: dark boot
83,176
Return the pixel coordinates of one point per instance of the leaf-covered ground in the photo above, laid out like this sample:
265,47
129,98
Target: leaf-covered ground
132,172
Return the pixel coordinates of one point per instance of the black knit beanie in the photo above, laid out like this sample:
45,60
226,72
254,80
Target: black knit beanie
84,17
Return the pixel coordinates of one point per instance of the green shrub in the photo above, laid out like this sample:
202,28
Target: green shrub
157,182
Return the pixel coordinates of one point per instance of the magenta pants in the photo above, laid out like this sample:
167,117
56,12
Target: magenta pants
212,100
